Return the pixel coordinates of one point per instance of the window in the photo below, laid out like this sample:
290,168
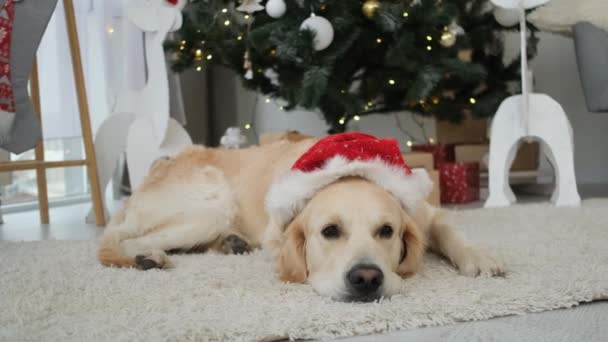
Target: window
60,117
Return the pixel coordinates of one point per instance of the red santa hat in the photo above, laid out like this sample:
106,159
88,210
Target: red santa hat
342,155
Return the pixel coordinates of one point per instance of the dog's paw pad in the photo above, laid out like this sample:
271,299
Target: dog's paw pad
154,260
235,245
477,263
145,264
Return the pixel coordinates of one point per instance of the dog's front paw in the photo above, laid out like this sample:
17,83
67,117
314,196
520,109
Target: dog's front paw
156,259
233,244
475,263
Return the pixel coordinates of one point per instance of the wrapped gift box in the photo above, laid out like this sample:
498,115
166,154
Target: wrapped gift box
527,157
293,136
435,196
425,160
442,153
419,159
469,131
459,182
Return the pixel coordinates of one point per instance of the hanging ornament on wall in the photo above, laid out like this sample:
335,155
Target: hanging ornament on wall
506,17
247,66
369,8
179,3
276,8
324,32
250,6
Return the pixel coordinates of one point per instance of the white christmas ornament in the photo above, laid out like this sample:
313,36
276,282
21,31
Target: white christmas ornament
516,4
506,17
276,8
233,138
272,76
250,6
140,122
456,29
324,32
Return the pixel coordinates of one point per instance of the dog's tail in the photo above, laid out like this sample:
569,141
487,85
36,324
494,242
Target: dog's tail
109,251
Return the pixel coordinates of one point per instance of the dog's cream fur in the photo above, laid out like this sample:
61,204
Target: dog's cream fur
214,199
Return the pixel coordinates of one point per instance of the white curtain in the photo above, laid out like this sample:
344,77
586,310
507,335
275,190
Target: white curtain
107,66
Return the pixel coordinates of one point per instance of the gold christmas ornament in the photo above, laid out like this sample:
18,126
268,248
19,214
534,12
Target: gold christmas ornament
465,55
198,55
369,8
449,94
448,39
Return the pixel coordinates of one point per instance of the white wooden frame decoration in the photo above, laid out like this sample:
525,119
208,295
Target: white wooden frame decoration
526,117
147,132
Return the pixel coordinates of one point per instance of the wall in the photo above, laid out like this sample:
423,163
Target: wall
555,72
195,95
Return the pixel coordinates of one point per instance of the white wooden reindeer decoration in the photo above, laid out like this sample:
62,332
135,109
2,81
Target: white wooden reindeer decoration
525,117
143,127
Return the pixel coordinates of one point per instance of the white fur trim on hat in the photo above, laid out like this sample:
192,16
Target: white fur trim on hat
289,194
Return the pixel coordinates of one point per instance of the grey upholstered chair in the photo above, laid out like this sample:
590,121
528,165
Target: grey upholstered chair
592,55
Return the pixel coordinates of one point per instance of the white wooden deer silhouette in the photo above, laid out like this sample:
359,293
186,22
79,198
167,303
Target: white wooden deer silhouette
530,116
143,127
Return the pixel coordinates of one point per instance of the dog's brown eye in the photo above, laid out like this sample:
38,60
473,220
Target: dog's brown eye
331,232
386,232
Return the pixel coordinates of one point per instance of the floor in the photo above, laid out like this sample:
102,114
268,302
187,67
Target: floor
584,323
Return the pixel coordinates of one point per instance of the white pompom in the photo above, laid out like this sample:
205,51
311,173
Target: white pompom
324,32
249,74
276,8
527,4
506,17
272,76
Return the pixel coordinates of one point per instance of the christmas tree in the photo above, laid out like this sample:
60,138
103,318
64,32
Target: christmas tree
346,58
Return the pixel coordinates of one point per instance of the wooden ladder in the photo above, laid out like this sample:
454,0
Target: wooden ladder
90,162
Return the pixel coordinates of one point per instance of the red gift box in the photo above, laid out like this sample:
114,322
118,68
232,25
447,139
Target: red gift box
442,153
459,182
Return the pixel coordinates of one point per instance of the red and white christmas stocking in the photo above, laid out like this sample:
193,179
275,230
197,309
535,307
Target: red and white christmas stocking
7,100
22,25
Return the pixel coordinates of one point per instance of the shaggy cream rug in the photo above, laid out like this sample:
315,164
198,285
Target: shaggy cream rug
56,291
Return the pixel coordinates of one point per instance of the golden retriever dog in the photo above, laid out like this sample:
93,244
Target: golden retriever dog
352,238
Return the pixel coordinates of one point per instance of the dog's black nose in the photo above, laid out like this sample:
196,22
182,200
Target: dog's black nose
364,279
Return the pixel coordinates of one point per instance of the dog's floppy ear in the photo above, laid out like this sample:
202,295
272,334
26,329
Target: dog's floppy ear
413,247
291,262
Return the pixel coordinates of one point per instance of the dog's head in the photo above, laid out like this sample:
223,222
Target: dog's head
353,241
